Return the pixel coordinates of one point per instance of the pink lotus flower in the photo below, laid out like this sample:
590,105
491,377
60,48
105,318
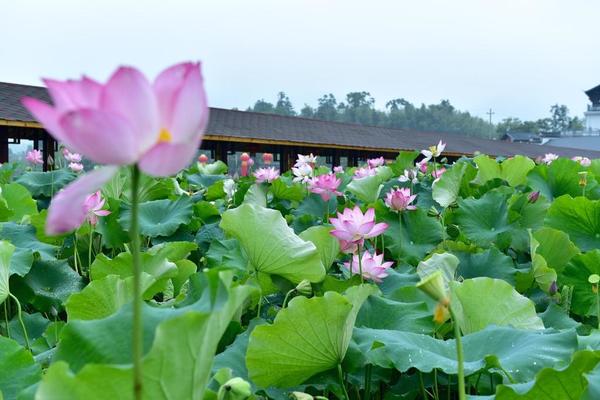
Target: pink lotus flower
533,196
549,157
376,162
34,157
347,247
325,186
438,173
126,121
354,226
76,167
364,172
373,267
93,207
434,151
71,157
267,158
422,165
584,161
400,199
202,158
266,175
338,170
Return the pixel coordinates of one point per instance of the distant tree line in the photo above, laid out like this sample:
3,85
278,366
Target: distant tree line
359,108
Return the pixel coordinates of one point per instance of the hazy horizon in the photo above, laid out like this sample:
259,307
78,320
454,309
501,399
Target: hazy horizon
516,57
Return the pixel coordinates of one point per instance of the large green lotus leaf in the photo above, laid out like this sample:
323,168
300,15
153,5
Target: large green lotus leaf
520,352
366,189
557,317
113,235
308,337
38,221
542,273
579,218
327,245
287,191
446,190
557,179
6,252
445,262
382,313
48,284
19,201
226,253
173,251
593,390
553,384
555,247
103,297
513,170
314,205
480,302
271,245
576,274
100,351
155,265
35,325
257,194
18,370
404,160
46,183
411,240
217,167
159,217
204,180
483,220
27,245
491,263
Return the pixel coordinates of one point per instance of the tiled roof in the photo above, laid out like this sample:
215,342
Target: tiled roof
244,126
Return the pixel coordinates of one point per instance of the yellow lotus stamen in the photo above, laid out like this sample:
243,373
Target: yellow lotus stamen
165,136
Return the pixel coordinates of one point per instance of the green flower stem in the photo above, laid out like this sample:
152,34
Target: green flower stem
341,376
6,318
75,252
285,299
368,370
459,356
598,306
20,317
422,385
137,287
90,249
362,280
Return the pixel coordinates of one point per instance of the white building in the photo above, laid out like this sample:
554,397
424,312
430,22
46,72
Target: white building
592,115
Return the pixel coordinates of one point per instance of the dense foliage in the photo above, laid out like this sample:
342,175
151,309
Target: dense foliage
249,292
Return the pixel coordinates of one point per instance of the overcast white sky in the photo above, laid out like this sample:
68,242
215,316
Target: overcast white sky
515,56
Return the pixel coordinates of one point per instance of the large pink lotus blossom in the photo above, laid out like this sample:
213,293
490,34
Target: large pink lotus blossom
128,120
364,172
354,226
266,174
434,151
76,167
373,266
584,161
93,207
325,185
34,157
400,199
376,162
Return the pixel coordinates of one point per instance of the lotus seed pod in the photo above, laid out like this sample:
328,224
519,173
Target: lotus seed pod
234,389
304,287
433,285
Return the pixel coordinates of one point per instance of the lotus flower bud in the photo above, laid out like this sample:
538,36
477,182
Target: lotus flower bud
582,178
202,158
304,288
267,158
244,157
553,288
533,196
433,285
50,161
235,389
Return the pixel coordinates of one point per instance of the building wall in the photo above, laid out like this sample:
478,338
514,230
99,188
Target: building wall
592,120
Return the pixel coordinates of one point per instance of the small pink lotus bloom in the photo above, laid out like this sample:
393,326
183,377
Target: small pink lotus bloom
244,157
438,173
364,172
71,157
400,199
76,167
354,226
549,157
93,206
325,185
376,162
584,161
373,267
203,159
338,170
126,121
533,196
422,165
34,157
267,158
266,174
